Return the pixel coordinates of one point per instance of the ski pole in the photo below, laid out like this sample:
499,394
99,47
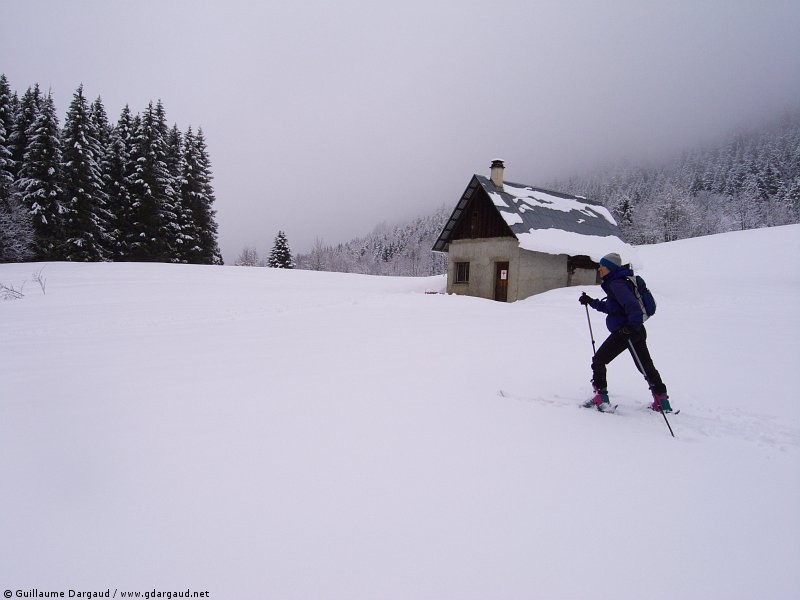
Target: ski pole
640,366
663,414
591,333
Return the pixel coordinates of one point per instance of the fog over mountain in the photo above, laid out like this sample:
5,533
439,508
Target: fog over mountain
323,119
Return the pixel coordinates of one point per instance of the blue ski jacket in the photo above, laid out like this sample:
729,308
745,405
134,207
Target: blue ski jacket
620,303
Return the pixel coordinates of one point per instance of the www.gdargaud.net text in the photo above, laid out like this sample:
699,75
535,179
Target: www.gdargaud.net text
107,593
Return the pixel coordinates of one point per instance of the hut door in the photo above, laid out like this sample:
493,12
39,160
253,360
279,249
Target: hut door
501,282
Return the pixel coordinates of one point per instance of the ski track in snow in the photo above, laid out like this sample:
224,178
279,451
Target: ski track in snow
731,423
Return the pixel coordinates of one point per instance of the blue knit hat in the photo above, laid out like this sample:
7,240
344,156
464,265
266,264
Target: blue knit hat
612,261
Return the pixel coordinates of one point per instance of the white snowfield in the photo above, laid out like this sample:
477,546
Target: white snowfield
272,434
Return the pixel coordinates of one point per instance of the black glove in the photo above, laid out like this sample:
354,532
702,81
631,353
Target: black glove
630,332
585,299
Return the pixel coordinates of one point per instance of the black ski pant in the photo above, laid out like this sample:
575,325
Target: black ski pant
616,344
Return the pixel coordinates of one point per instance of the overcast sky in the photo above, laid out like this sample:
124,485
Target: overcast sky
324,119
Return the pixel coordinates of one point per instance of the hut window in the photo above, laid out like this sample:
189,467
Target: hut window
462,272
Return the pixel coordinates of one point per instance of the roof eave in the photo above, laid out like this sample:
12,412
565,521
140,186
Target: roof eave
442,243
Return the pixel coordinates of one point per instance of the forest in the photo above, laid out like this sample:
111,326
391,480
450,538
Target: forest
137,190
748,179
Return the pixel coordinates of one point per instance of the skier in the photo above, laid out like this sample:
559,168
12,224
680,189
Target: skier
625,321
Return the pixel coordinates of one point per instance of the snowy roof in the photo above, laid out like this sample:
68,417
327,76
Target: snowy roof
546,221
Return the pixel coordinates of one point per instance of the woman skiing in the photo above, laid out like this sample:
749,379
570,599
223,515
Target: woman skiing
625,321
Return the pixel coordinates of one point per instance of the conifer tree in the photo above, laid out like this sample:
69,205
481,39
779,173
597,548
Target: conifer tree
120,170
197,196
7,115
102,131
85,197
16,232
39,183
175,165
15,223
171,226
15,108
25,115
281,255
206,218
190,194
150,187
6,176
99,119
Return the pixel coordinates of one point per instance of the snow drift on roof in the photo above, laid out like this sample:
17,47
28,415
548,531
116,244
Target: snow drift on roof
556,223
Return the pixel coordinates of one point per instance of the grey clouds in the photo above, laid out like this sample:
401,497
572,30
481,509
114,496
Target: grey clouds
326,118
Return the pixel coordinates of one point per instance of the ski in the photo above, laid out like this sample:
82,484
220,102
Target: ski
554,400
672,412
611,410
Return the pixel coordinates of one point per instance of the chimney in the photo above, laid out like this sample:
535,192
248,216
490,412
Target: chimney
497,173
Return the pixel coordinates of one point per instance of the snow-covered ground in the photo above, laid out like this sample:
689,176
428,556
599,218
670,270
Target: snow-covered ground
276,434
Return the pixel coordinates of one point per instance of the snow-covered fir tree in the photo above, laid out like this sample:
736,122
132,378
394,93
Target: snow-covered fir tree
102,130
197,198
86,215
24,117
280,257
39,184
153,226
7,118
191,198
118,186
175,160
100,123
15,223
6,176
16,234
171,222
206,219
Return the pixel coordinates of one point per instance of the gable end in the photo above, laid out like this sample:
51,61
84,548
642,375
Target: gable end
474,217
